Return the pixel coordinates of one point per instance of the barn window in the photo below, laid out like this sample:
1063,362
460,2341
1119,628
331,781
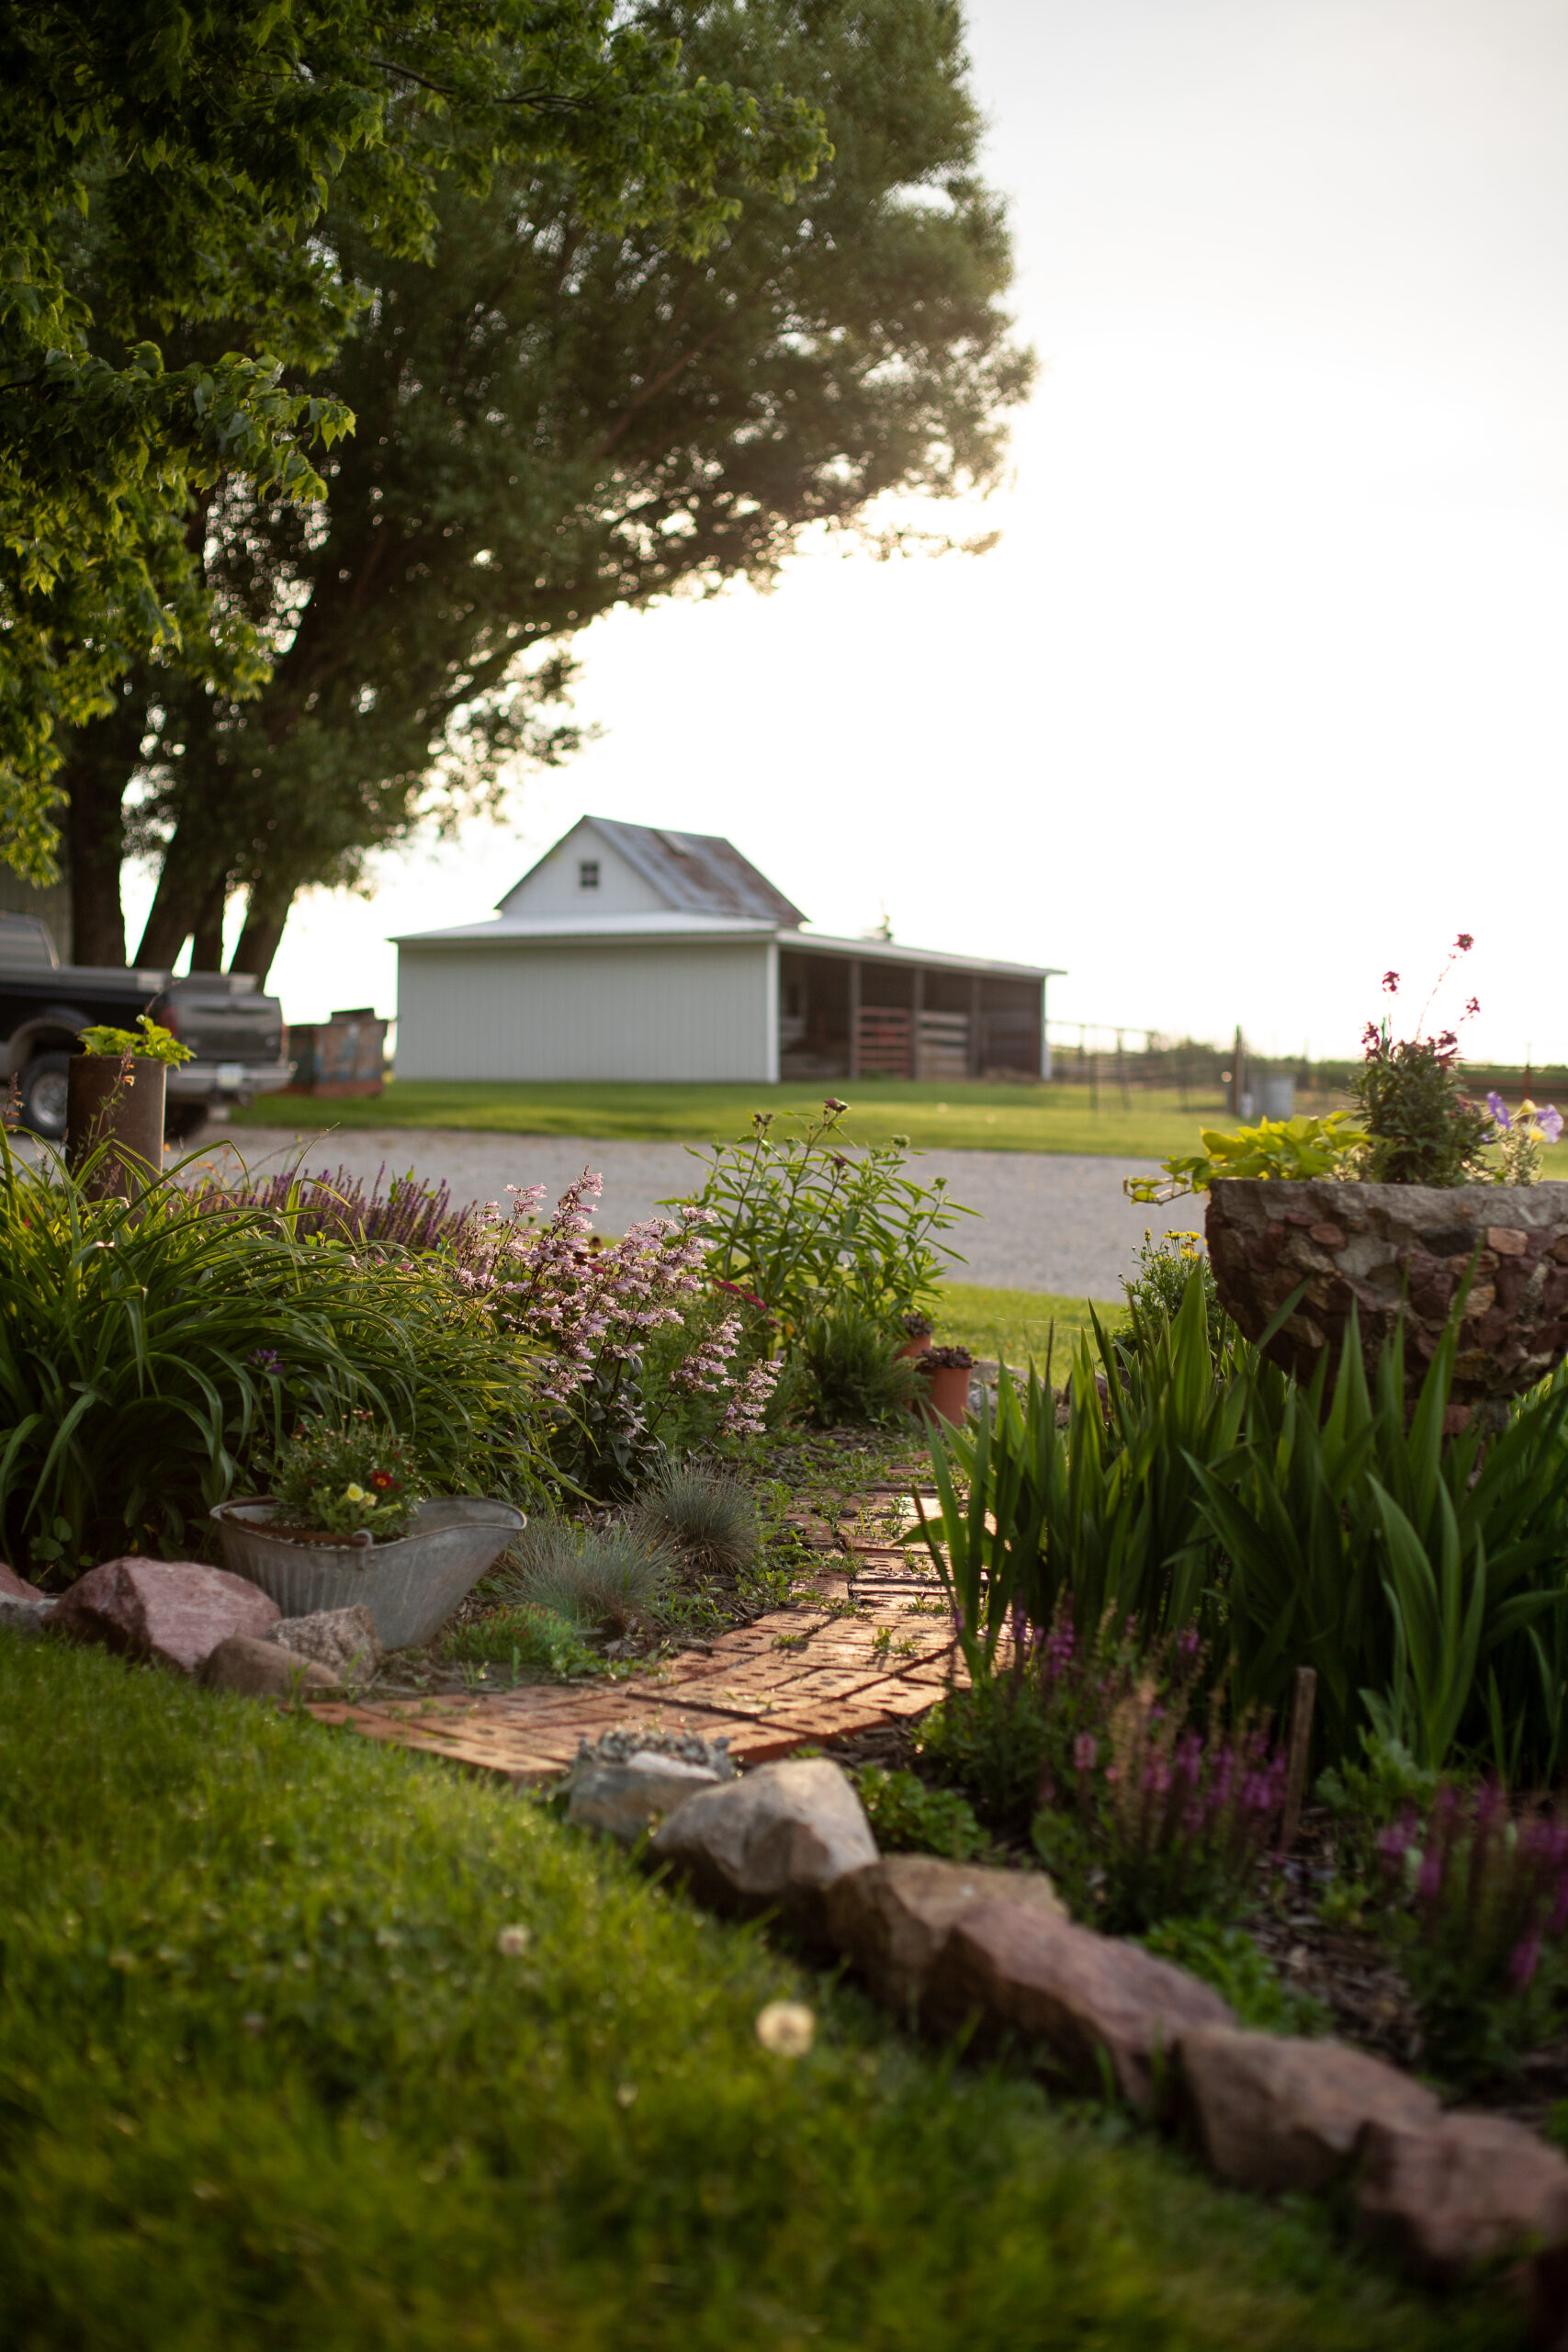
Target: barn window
588,874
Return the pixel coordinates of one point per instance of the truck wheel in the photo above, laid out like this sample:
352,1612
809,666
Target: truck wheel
182,1119
42,1090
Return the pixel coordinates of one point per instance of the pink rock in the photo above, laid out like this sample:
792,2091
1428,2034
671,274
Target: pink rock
1464,2192
175,1611
893,1918
1085,1999
1274,2113
15,1589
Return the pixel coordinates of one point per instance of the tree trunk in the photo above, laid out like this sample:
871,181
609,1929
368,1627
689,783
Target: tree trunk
206,945
271,897
184,897
100,764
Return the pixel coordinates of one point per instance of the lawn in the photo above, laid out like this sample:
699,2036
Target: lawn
957,1115
1015,1324
273,2076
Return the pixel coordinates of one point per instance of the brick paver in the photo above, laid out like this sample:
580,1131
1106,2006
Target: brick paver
795,1677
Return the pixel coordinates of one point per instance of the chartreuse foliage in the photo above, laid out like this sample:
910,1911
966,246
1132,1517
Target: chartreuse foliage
275,2074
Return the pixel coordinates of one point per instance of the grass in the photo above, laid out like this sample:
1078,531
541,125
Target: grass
957,1114
1014,1325
270,2080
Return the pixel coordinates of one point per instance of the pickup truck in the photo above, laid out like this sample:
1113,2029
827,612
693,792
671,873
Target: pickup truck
234,1033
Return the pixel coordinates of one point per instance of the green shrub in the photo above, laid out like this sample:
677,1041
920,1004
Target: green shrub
802,1223
990,1739
523,1635
852,1370
152,1359
1226,1958
338,1478
908,1817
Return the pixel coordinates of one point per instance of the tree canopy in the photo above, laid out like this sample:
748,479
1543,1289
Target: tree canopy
560,415
164,174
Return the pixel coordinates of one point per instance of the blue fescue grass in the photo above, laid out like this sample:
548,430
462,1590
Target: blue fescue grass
269,2080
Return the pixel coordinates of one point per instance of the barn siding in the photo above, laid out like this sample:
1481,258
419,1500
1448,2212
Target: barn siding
601,1011
552,888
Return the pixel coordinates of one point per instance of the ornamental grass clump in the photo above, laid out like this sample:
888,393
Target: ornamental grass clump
705,1513
342,1478
1475,1901
610,1576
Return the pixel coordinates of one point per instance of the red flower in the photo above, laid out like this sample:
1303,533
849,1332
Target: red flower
1464,943
381,1480
1391,983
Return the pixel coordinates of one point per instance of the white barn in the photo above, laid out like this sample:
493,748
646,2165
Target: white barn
632,952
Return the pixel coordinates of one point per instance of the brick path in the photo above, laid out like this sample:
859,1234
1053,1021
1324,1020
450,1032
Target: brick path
797,1676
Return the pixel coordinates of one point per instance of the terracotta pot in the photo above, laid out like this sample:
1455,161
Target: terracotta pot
1399,1253
107,1103
944,1391
920,1345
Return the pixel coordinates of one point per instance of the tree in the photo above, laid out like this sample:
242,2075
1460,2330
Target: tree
559,417
164,174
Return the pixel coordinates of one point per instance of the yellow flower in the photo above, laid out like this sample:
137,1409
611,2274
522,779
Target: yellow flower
352,1494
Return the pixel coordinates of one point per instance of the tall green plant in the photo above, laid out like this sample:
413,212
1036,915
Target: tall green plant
153,1355
800,1222
1422,1575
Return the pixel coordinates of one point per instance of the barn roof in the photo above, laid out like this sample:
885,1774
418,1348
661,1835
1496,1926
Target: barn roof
698,873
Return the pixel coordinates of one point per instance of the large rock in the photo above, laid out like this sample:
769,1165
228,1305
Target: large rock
263,1670
892,1918
775,1840
1085,2001
626,1800
16,1587
343,1640
175,1611
1278,2114
1464,2192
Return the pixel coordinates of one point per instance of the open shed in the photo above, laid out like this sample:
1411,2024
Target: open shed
632,952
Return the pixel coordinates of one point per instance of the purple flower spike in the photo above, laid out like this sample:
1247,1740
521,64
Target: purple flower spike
1499,1111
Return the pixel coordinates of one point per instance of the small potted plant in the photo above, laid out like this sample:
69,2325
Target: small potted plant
945,1382
351,1520
114,1106
918,1329
1389,1216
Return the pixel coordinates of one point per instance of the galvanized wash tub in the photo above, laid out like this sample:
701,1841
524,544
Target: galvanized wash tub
411,1586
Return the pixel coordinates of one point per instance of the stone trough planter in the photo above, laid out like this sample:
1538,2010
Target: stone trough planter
1399,1252
411,1586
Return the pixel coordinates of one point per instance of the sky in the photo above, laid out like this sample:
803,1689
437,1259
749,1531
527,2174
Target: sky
1261,693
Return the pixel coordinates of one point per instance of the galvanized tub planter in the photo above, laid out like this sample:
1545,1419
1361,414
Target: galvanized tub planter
1398,1254
411,1586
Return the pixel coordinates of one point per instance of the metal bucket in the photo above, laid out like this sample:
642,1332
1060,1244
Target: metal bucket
411,1586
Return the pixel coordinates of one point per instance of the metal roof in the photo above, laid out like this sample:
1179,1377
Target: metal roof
698,873
626,931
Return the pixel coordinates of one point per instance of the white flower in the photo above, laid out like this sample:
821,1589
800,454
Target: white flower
786,2028
513,1942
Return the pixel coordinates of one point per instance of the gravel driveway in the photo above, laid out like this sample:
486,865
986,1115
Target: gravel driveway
1048,1221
